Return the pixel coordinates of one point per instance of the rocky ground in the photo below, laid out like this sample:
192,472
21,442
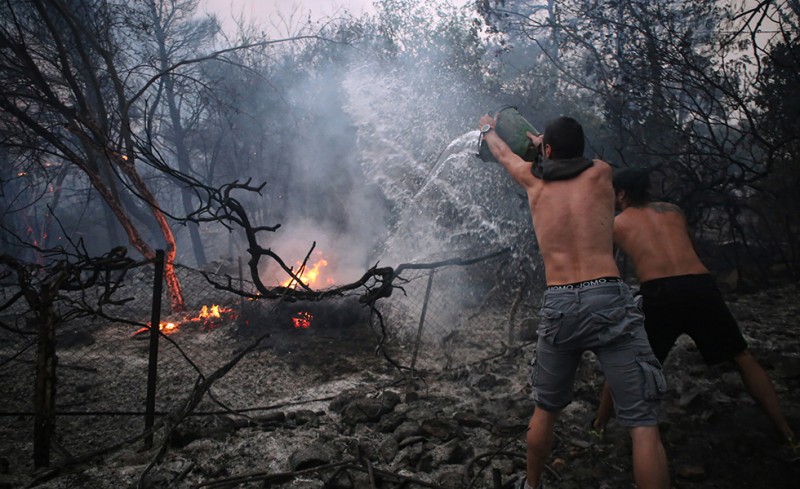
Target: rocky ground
377,427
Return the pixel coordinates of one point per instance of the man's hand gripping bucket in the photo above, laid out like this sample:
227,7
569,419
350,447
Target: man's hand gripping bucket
512,128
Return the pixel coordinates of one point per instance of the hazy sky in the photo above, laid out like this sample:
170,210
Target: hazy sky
264,10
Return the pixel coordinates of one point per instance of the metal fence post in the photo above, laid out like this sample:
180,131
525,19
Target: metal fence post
45,396
241,285
152,370
422,318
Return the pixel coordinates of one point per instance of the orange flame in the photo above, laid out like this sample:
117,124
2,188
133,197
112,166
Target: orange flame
302,320
212,317
209,317
167,328
164,327
307,275
207,313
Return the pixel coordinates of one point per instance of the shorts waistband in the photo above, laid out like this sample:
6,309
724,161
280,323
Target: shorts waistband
679,283
586,283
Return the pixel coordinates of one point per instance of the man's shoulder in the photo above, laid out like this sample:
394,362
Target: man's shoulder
631,215
601,165
561,169
653,206
624,217
662,207
652,212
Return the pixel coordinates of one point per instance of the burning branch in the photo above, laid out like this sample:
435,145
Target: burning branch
232,213
377,282
209,317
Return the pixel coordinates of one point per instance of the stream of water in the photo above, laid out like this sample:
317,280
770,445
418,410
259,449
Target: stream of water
444,202
449,205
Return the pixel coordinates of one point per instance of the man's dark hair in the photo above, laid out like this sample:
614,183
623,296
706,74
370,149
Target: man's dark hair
565,137
635,182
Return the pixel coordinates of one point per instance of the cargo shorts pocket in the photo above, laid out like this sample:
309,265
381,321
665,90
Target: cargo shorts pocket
549,322
609,316
655,385
534,372
611,323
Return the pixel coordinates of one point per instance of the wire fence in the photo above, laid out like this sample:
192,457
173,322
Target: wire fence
447,320
437,318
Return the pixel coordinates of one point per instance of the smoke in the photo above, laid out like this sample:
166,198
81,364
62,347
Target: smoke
386,172
331,200
383,169
377,174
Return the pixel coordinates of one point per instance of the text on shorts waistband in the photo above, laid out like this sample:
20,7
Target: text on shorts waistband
586,283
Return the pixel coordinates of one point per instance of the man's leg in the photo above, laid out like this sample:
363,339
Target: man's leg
540,442
634,376
605,410
760,387
650,469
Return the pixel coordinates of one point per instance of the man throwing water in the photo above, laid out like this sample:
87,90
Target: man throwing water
586,305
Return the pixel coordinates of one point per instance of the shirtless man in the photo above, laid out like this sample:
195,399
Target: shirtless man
586,305
679,294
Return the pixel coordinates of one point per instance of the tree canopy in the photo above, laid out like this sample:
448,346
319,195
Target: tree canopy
120,120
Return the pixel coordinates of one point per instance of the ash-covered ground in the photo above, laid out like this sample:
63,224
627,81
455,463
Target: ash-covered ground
337,415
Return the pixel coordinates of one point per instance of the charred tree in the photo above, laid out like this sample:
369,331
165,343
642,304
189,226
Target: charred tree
42,288
64,94
175,36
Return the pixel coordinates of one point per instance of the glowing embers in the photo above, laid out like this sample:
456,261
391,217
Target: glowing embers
302,320
167,328
209,317
164,326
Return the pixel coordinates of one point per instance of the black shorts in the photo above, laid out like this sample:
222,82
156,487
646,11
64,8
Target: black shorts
691,305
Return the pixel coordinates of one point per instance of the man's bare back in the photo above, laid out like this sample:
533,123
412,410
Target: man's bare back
656,238
573,220
573,215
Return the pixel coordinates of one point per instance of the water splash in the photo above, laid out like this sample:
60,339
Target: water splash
464,208
445,203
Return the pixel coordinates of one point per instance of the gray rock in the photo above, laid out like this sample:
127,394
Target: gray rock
450,476
469,420
388,450
364,411
311,456
440,428
406,430
390,422
453,452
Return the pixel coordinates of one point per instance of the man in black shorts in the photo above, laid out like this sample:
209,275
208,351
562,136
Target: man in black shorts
679,294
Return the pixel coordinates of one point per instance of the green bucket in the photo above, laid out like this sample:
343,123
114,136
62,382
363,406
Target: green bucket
512,128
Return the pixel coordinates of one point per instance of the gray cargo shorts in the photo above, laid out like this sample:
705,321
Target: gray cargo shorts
603,319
